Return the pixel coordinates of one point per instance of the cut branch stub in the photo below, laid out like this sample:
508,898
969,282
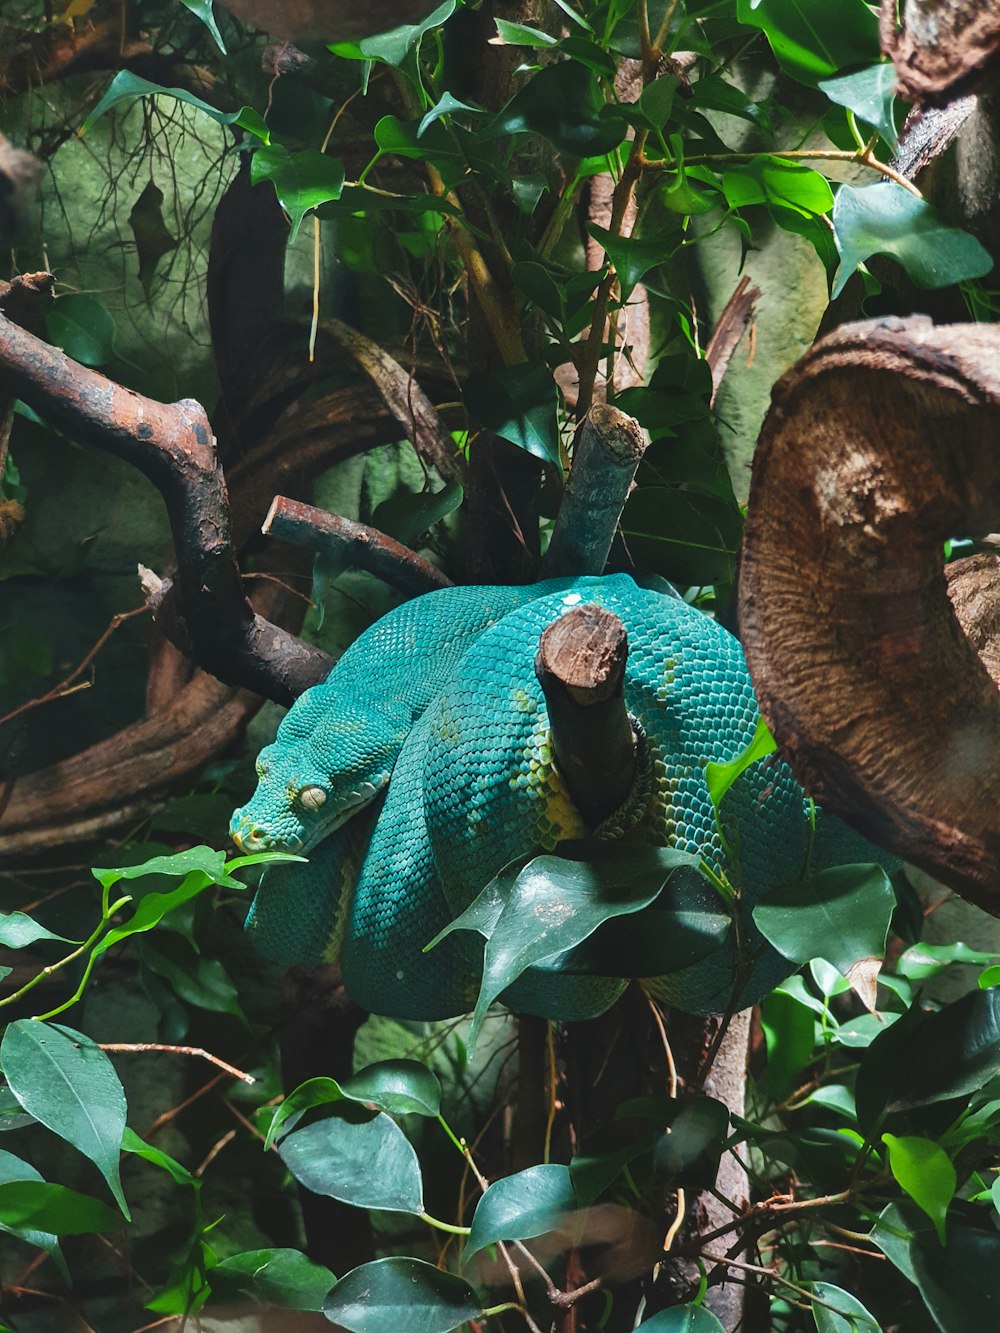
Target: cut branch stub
942,45
608,451
880,445
580,666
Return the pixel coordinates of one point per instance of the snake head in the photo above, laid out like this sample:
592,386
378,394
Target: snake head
314,778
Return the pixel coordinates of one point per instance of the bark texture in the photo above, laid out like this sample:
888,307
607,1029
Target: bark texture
880,445
942,45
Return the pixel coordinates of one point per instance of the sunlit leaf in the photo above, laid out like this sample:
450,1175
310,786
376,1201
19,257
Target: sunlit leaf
885,219
813,39
202,9
870,94
776,181
302,180
519,404
923,1170
393,48
28,1206
720,777
18,930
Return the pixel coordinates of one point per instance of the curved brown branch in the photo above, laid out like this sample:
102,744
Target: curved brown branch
880,445
355,543
173,445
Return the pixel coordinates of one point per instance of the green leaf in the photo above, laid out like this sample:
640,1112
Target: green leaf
81,326
555,903
403,1087
52,1210
813,39
13,1168
67,1082
841,914
369,1163
885,219
131,1142
776,181
923,1170
151,911
282,1278
393,47
688,537
206,860
199,981
519,34
922,961
18,930
563,103
539,286
444,106
632,259
652,108
126,87
518,1207
959,1283
991,977
681,1319
720,777
848,1314
406,515
302,180
870,94
202,9
519,404
688,1153
790,1036
401,1296
314,1092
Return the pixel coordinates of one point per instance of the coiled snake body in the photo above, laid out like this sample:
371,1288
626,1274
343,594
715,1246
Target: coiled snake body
440,696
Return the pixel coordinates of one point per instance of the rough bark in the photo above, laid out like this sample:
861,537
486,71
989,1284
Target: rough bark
880,445
942,46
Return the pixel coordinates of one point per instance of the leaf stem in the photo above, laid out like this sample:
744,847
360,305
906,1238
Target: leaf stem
444,1226
863,157
88,943
502,1309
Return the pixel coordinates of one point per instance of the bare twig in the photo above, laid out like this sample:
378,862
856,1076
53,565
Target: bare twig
138,1047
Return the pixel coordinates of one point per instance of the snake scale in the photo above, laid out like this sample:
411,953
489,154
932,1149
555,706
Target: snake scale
423,765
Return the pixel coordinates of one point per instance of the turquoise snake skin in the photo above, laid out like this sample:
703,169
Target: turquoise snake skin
440,695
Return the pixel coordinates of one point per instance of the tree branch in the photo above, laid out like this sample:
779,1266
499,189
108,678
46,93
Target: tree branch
608,451
356,543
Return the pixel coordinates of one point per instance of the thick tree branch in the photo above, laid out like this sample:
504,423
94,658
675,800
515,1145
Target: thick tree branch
880,445
608,451
355,543
172,444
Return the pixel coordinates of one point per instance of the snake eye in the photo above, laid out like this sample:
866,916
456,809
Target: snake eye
311,798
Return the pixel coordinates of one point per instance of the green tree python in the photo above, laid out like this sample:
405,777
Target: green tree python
423,765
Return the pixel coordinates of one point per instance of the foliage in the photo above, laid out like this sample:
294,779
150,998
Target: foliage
875,1112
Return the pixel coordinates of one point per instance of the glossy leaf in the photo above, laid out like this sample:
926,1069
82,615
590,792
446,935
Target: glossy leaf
283,1278
681,1319
813,39
369,1163
519,34
923,1170
152,909
959,1282
132,1143
393,48
197,980
81,326
518,1207
720,777
405,515
632,259
885,219
53,1210
841,914
554,903
18,930
314,1092
790,1035
401,1296
922,960
302,180
563,103
870,94
776,181
402,1087
202,9
519,404
847,1314
206,860
126,87
13,1168
67,1083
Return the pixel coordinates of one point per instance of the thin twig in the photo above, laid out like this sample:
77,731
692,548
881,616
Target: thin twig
140,1046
